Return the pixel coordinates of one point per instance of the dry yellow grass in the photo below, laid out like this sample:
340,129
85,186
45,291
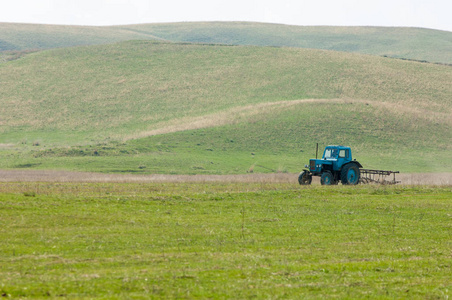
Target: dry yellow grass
443,179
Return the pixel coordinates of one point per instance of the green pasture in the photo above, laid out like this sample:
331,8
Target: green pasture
224,240
278,140
158,107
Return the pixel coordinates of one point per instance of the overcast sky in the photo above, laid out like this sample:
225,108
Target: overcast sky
436,14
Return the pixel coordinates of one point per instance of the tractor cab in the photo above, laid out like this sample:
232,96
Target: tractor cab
334,157
338,155
337,152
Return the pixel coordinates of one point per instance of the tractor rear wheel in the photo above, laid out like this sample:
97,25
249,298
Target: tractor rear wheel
304,178
327,178
350,174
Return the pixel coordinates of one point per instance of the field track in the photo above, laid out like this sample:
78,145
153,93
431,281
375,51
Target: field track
443,179
231,116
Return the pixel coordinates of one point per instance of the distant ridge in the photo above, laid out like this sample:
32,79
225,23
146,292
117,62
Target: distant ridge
399,42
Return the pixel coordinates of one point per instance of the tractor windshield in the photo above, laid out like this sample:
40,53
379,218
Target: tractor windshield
330,153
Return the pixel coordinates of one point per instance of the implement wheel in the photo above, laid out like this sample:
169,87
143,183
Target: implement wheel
350,174
304,178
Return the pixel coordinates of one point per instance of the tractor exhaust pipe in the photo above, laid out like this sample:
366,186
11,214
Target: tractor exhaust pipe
316,150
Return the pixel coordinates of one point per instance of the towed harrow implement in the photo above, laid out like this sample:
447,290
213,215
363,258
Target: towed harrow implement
378,176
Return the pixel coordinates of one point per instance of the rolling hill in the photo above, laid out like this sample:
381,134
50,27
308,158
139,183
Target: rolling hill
160,107
408,43
412,43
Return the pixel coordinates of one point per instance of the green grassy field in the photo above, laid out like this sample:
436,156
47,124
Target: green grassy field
219,109
410,43
224,241
268,142
150,107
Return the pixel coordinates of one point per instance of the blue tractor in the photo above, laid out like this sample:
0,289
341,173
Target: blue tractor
336,165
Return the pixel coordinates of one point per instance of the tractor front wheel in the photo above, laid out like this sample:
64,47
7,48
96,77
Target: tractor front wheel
304,178
350,174
327,178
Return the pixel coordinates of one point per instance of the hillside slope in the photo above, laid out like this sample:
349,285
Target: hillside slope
21,37
410,43
399,42
139,86
156,107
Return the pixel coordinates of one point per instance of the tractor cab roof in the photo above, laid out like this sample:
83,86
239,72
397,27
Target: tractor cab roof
337,147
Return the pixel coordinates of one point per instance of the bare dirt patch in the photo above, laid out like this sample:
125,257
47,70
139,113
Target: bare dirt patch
67,176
